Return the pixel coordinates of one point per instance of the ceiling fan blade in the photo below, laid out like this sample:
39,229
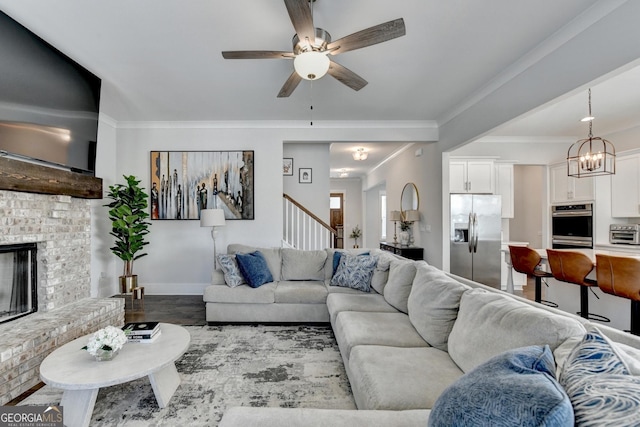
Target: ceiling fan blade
370,36
256,54
301,18
346,76
290,85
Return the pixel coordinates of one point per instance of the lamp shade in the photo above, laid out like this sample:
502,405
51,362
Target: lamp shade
212,218
412,215
395,216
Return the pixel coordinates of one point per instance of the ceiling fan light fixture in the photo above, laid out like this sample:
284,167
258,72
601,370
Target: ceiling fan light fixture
311,65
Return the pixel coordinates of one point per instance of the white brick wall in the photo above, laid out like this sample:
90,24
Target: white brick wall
61,227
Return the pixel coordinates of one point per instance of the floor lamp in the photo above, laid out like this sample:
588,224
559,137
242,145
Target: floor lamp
212,218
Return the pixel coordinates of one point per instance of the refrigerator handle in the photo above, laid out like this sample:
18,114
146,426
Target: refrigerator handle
475,234
471,231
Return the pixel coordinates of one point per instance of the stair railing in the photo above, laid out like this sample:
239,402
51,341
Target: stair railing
304,230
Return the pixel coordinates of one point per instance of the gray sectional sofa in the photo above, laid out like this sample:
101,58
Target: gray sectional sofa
410,338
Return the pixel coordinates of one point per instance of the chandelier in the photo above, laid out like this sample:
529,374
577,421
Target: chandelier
591,156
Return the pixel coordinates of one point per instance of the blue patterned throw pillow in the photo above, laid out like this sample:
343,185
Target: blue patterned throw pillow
355,271
597,380
254,269
337,255
229,266
517,387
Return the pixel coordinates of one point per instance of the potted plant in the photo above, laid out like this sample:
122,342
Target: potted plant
355,235
128,213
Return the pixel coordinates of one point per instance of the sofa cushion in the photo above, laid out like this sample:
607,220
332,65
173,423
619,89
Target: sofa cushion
254,269
354,328
301,292
381,272
355,272
339,302
272,255
517,385
398,287
399,378
229,266
490,323
302,265
433,304
599,385
248,416
242,294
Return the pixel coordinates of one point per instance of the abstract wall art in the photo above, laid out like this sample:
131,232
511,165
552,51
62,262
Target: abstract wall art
185,182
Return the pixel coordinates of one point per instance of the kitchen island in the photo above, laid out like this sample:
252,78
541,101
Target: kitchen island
567,295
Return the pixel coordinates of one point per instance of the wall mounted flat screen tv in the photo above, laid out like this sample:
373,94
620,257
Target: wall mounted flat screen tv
49,104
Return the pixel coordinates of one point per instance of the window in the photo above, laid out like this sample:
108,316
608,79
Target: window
334,202
383,215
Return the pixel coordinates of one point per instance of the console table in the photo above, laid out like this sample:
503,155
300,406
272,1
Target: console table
411,252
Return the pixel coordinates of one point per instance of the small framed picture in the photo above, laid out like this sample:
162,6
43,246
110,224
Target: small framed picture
304,176
287,166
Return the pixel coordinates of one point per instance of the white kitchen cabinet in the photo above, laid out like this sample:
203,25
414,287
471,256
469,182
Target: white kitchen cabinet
565,188
471,176
504,187
625,187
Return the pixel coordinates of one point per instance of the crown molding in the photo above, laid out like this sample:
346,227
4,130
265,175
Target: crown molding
280,124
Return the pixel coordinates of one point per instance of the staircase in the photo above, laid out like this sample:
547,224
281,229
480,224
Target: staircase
303,230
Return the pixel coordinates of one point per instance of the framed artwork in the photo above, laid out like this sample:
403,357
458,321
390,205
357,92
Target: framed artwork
185,182
287,166
304,176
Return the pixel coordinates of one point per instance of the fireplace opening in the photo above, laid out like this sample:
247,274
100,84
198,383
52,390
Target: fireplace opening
18,277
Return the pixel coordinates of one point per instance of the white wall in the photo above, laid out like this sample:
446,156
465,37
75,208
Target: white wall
425,172
314,196
180,252
351,188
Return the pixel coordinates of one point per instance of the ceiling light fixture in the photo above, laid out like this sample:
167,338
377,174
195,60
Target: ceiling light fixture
311,65
592,156
360,154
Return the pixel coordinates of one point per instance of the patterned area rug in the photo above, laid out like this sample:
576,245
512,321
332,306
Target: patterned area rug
231,365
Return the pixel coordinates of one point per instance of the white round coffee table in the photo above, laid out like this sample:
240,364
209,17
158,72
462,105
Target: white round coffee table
81,376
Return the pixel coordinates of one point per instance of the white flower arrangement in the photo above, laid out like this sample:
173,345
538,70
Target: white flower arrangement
109,339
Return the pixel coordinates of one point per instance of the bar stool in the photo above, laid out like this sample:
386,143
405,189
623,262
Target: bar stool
527,261
574,267
620,276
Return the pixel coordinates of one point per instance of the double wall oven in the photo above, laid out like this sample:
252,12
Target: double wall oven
572,226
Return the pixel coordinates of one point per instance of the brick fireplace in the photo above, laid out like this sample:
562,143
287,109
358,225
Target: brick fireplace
60,226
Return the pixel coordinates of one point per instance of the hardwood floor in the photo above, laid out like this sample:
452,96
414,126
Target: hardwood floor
176,309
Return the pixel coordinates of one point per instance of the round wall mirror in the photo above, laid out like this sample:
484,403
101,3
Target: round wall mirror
409,199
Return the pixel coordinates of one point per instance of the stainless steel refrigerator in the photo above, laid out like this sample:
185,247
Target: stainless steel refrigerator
475,237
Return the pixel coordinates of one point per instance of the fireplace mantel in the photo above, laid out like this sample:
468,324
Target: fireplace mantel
16,175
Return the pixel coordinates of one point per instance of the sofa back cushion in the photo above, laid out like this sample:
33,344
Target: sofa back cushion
490,323
273,256
303,265
398,287
381,272
433,304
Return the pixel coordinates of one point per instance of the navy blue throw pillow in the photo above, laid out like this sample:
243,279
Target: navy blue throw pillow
254,269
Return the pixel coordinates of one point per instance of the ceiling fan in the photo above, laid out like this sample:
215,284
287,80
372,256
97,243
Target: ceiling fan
312,47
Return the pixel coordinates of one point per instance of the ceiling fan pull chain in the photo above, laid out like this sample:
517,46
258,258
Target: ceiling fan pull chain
311,101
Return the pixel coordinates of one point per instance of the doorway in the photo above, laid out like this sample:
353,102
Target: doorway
336,216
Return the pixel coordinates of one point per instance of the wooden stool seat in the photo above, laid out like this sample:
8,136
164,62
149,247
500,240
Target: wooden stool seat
527,261
620,276
574,267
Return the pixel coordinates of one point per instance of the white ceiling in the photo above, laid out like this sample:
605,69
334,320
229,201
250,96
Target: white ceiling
164,59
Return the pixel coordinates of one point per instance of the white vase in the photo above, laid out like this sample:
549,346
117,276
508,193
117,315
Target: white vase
404,238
